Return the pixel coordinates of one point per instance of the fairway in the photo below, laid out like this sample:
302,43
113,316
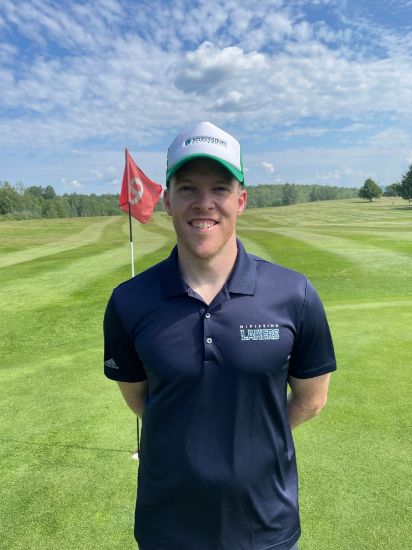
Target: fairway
67,480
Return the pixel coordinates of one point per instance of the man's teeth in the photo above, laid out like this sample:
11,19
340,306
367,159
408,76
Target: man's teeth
203,225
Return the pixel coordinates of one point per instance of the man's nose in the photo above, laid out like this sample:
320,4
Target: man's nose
204,199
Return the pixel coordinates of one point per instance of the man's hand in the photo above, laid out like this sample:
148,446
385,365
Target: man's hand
307,398
134,394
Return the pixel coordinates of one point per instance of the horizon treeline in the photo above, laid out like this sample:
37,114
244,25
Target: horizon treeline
19,202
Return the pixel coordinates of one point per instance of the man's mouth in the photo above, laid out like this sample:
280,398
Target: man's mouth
203,224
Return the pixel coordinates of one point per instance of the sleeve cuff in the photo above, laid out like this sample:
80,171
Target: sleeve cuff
315,372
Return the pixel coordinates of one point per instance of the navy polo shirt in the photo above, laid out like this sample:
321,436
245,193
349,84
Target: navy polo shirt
217,463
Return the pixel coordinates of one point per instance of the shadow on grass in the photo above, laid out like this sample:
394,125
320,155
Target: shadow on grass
64,446
406,207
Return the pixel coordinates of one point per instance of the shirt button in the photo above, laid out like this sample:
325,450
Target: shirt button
207,315
209,340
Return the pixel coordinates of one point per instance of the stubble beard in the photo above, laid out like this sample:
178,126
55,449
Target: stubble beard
199,248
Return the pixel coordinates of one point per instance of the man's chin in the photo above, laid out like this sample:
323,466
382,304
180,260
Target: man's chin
203,252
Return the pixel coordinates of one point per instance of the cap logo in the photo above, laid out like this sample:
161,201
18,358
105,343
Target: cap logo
204,139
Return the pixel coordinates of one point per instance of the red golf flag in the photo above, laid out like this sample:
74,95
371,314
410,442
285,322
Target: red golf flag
137,189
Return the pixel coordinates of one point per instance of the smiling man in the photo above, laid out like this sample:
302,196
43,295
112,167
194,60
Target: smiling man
204,346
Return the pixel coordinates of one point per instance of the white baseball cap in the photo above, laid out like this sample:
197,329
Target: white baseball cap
208,141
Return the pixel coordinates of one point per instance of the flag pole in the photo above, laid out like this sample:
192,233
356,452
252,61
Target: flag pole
141,209
130,215
131,241
135,454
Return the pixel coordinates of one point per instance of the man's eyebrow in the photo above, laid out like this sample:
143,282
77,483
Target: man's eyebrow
183,179
224,180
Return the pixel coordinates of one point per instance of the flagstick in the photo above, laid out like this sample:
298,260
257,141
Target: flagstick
135,454
131,241
154,193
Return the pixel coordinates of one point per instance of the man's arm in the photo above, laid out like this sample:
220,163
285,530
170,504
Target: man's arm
307,398
134,394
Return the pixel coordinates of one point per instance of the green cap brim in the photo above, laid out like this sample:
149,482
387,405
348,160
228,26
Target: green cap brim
234,171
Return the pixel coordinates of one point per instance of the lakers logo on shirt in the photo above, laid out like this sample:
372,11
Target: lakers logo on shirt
259,332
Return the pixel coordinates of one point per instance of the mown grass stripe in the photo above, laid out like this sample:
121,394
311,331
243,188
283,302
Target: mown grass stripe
370,305
89,234
364,255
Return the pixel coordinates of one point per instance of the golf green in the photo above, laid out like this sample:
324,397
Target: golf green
66,474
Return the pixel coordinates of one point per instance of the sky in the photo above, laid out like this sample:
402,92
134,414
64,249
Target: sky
316,91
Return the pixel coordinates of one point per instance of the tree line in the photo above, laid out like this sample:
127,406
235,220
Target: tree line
19,202
261,196
43,202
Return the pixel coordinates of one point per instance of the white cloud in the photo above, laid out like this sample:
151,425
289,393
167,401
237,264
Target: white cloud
75,184
390,138
70,185
97,174
311,132
331,176
268,167
207,69
107,175
8,52
303,31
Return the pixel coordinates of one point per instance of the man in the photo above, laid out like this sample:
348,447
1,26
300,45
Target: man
203,346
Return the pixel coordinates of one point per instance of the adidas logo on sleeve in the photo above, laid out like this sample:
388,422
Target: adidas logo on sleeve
111,364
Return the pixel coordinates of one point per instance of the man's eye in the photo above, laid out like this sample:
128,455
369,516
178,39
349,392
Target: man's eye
221,188
186,188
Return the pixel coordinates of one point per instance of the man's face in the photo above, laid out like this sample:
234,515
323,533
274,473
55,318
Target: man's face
204,202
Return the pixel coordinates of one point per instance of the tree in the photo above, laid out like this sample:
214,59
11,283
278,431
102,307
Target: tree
406,185
9,198
34,191
49,209
370,190
393,190
48,193
289,194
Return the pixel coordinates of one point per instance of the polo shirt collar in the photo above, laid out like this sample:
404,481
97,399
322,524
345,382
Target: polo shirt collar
172,280
242,280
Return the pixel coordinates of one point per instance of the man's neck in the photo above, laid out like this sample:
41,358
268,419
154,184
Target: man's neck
207,276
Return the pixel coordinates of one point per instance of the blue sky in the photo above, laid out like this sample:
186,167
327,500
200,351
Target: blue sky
316,91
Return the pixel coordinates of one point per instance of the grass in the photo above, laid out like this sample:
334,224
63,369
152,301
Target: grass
66,477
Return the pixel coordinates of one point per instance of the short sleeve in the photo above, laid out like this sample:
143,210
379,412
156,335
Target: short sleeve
313,353
121,361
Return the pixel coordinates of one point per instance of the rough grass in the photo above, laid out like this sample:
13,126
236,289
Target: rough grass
67,480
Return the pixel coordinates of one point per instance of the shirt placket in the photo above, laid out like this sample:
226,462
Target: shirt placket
208,313
209,325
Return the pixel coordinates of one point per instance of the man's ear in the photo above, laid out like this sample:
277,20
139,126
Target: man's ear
166,201
241,201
